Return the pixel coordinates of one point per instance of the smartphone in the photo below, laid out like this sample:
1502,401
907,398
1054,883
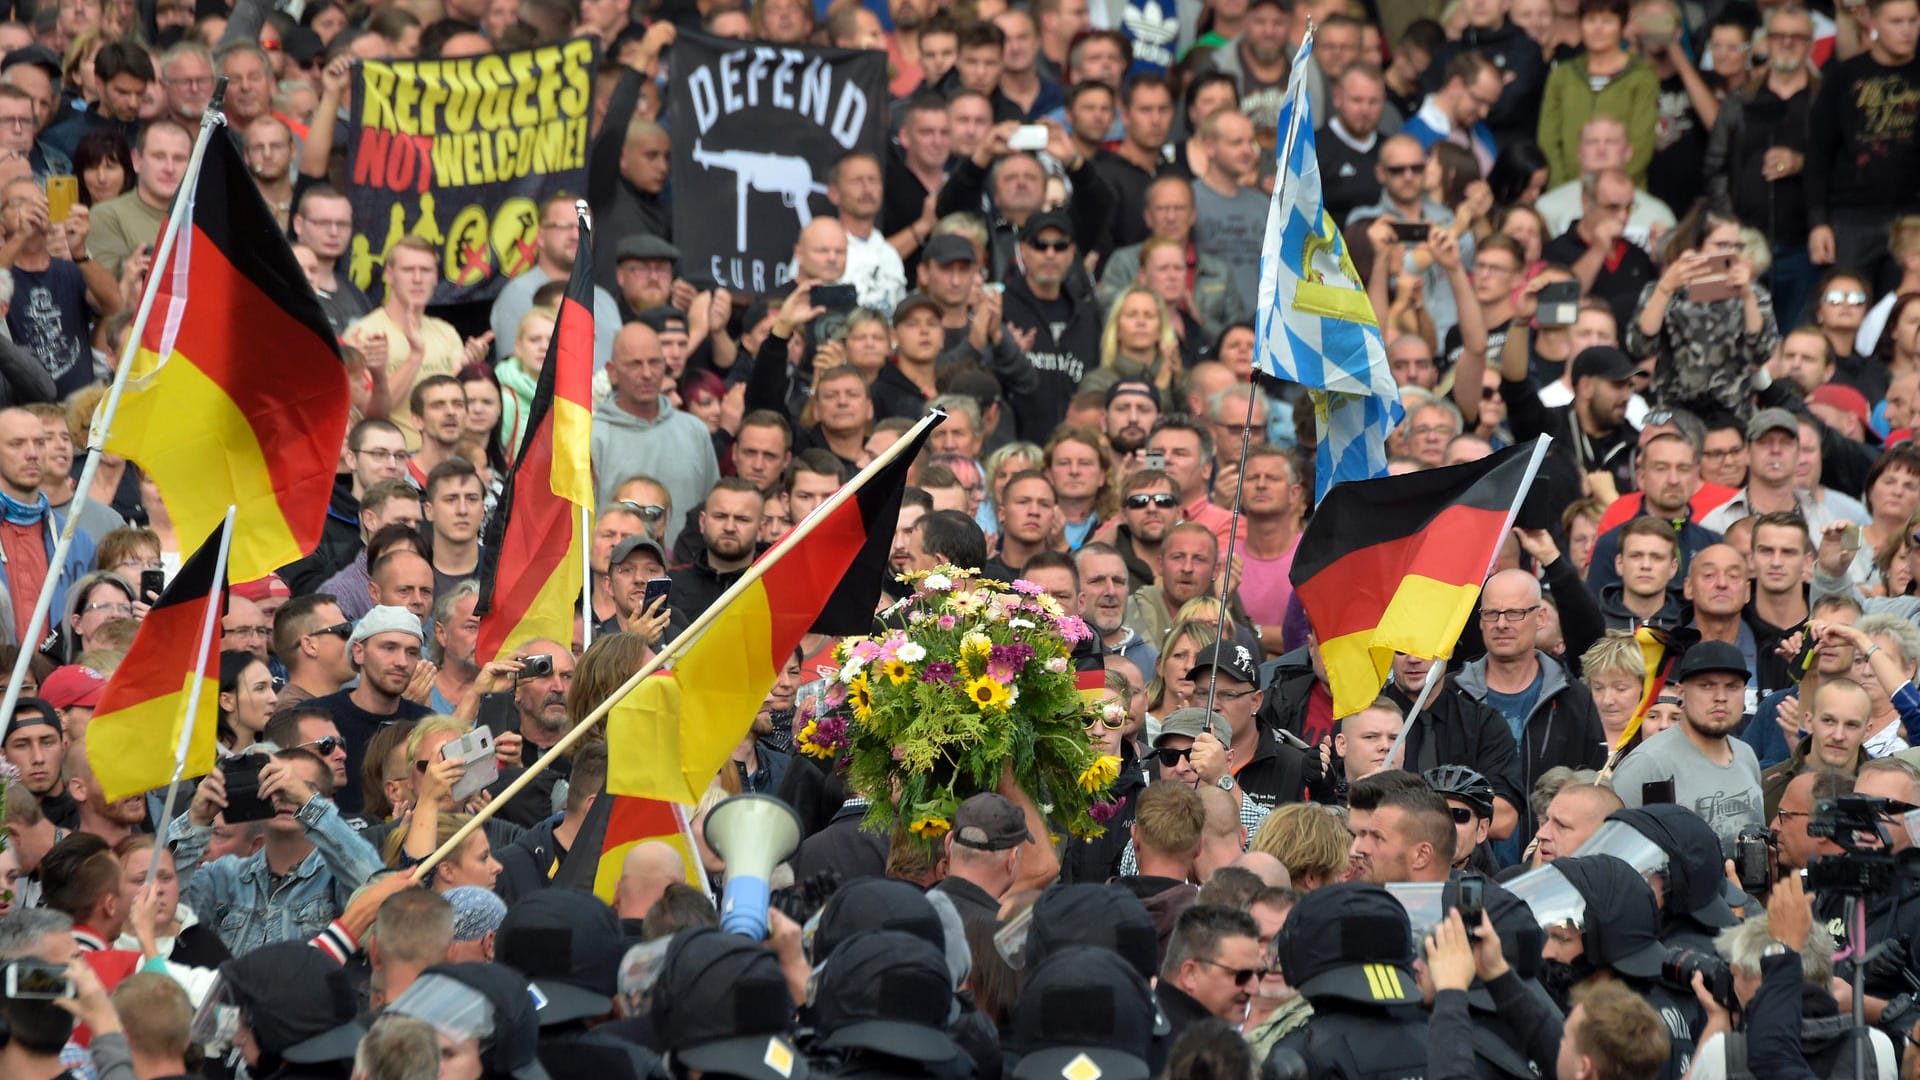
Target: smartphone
840,298
1156,459
657,588
243,789
152,584
1028,137
62,193
1469,899
1850,537
1411,232
1753,861
1718,287
475,748
29,980
1559,304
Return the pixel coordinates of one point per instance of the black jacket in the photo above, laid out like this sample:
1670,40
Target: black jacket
526,865
1285,704
893,394
1613,607
1060,360
1564,728
1453,1029
1347,1041
1573,452
1097,860
339,542
1090,208
1455,729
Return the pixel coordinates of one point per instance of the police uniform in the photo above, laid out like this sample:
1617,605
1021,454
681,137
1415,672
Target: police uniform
1348,949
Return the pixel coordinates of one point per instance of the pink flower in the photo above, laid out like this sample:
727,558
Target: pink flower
864,650
1072,628
947,622
1028,587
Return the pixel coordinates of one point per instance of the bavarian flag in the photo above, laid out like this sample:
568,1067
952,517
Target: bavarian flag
1396,564
669,737
237,395
136,732
531,575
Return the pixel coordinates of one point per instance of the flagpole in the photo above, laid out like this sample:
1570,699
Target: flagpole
685,638
184,745
693,847
586,579
210,120
1253,390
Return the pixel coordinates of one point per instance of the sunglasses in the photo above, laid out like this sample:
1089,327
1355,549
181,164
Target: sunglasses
649,512
341,630
1054,246
1461,815
1170,757
325,746
1141,502
1488,393
1841,296
1241,976
1105,722
1402,170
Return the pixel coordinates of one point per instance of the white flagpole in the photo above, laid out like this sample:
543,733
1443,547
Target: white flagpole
184,744
210,121
586,578
693,847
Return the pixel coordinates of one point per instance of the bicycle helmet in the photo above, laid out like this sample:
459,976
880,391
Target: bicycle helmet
1460,782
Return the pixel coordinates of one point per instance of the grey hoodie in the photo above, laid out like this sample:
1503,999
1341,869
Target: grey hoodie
673,448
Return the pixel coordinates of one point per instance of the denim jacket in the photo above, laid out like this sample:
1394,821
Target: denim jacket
236,896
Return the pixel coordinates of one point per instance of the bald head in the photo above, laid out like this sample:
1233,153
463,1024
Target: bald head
821,251
644,875
1269,869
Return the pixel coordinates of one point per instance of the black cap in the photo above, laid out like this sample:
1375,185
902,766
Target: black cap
570,945
636,542
511,1050
886,991
875,904
301,45
1102,916
1350,942
28,705
645,246
947,248
1044,220
721,1005
298,1002
1136,387
1695,872
1704,657
1604,362
1622,923
1082,1012
913,302
38,55
659,318
1234,660
990,822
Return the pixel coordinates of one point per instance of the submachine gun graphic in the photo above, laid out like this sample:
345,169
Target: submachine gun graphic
791,178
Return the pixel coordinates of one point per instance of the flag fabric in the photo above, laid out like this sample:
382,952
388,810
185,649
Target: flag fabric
616,824
237,394
135,732
531,573
1314,324
668,738
1660,650
1395,564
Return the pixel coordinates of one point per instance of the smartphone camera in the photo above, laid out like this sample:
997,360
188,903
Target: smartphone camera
1469,900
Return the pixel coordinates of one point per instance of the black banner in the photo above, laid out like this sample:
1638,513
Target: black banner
755,129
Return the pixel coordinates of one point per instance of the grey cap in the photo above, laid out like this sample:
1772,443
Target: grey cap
386,619
948,248
637,542
1191,722
646,246
1772,420
990,822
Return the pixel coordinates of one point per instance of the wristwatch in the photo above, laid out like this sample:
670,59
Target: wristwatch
1775,947
1225,783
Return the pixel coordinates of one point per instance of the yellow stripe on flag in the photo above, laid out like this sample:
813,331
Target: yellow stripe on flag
572,456
690,719
1424,618
203,464
607,875
131,747
551,615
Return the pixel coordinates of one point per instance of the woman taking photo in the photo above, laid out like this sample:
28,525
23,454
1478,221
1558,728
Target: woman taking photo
1706,320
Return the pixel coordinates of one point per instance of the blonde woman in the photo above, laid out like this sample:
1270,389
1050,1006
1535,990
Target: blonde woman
1616,673
519,374
1139,342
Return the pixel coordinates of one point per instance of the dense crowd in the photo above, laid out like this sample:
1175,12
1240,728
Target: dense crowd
1680,237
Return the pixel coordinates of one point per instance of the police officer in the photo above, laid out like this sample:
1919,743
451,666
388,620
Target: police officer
721,1006
1083,1012
1348,949
1694,895
880,1007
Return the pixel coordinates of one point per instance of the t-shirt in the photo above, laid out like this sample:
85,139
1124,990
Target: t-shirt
1515,708
358,726
1265,587
1232,230
48,318
25,550
1726,797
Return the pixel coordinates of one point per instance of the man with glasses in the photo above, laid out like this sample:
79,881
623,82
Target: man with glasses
1402,171
1051,311
1457,112
310,637
323,223
559,242
1149,509
1213,964
1258,769
1697,763
186,74
307,727
245,628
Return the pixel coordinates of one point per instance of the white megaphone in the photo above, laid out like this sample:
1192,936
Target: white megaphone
752,834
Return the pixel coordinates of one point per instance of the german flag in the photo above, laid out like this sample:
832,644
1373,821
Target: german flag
1396,564
237,395
531,579
1660,650
136,730
668,739
615,825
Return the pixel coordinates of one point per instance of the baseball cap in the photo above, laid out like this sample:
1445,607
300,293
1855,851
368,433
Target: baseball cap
1604,362
1712,656
658,319
386,619
301,45
913,302
1848,400
990,822
72,685
1350,942
39,713
886,991
946,249
569,943
1082,1012
637,542
1772,420
1191,722
1232,659
1041,222
721,1005
646,246
477,912
1137,387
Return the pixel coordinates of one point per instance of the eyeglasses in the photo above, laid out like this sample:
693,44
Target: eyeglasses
1241,976
324,746
1235,695
1514,615
648,512
1494,268
1488,393
401,456
121,608
1170,758
1403,170
1141,502
1051,245
341,630
235,631
1783,812
1843,296
1461,815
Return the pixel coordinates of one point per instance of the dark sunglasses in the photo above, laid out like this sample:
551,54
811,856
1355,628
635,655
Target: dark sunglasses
1110,725
1241,976
1051,245
341,630
1461,815
1141,502
1488,393
326,745
649,512
1170,757
1402,170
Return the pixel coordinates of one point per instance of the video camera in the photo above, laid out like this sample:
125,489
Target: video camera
1853,823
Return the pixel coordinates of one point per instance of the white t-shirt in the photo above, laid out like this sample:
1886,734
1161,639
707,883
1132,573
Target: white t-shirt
875,270
1710,1058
